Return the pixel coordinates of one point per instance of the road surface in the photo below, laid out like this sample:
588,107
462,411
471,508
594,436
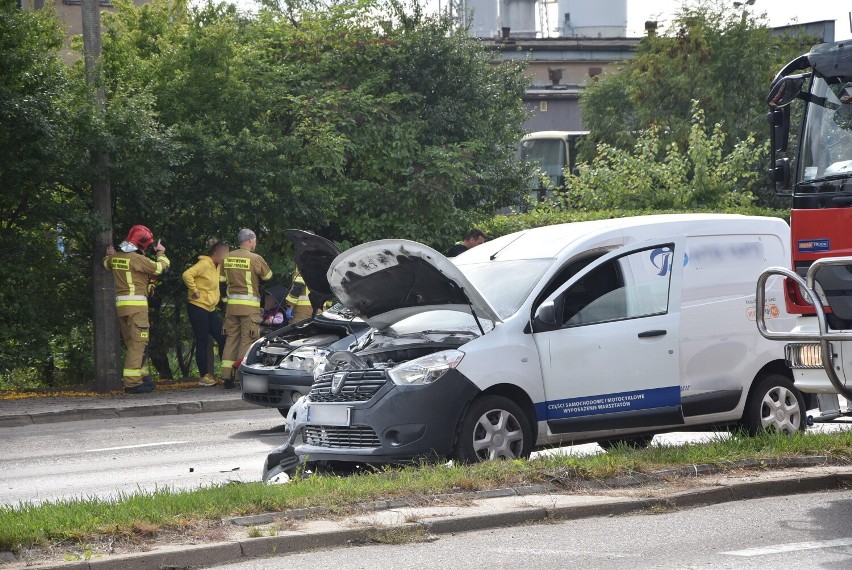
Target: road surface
805,531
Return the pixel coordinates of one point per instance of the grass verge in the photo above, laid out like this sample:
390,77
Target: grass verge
143,514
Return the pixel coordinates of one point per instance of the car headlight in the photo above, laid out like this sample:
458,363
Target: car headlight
427,369
305,358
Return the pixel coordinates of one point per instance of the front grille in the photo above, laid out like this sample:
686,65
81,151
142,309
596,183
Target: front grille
274,397
358,386
341,437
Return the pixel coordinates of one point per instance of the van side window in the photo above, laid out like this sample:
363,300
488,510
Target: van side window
628,287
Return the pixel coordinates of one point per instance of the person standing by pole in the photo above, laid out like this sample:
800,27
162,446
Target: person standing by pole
202,283
243,272
131,269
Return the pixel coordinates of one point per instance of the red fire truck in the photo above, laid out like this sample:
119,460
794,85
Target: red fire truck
814,93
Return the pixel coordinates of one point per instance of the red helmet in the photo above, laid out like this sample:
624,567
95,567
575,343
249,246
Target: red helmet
140,236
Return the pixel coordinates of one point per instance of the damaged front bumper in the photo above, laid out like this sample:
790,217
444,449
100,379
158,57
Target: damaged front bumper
394,424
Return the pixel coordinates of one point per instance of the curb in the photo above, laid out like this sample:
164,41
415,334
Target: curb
294,541
169,409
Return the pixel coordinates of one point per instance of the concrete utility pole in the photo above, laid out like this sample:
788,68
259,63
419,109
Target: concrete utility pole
107,346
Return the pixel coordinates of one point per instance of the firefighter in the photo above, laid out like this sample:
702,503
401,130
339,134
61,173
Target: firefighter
243,272
131,270
298,301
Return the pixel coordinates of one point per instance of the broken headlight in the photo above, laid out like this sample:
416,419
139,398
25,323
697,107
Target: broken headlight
426,369
305,358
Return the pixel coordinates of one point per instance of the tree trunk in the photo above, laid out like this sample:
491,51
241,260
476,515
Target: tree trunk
107,348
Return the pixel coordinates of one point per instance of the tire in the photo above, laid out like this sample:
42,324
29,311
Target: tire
633,442
774,404
493,427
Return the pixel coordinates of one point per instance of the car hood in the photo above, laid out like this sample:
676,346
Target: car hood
386,281
314,255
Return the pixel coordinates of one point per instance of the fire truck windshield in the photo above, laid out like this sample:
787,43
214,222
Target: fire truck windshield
826,151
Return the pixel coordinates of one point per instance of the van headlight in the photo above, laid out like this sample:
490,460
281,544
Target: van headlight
427,369
306,358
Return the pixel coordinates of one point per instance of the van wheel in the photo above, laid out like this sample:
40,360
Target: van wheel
494,427
774,404
636,442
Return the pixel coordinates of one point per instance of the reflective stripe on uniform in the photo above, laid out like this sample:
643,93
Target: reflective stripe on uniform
132,372
131,301
233,301
228,363
162,264
130,285
245,298
268,276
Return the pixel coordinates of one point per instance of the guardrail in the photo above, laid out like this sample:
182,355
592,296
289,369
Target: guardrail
824,336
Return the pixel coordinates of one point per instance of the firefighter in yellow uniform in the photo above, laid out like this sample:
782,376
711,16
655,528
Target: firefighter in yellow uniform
131,270
243,272
298,300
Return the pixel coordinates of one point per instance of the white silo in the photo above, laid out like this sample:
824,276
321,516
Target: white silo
592,18
482,18
520,17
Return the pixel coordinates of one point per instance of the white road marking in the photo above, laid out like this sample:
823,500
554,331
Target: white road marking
137,446
791,547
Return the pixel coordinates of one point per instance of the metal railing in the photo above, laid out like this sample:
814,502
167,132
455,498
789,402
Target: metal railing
824,336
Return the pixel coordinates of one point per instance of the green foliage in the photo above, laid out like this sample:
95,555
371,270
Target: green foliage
702,174
355,120
710,53
39,155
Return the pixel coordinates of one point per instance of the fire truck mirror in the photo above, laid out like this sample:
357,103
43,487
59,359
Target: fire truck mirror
779,174
779,125
786,89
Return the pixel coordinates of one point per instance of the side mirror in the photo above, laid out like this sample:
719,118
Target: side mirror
546,314
779,174
779,128
786,89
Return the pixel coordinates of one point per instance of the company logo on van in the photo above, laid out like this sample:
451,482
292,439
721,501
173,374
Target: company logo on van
811,245
661,258
337,382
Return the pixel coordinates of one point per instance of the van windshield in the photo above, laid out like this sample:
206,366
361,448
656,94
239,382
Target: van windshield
506,284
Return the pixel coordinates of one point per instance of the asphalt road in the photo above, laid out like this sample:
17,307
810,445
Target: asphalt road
805,531
107,457
111,456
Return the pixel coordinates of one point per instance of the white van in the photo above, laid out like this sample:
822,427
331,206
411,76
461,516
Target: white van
605,331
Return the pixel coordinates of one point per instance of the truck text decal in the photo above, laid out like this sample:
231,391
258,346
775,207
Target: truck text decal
810,245
608,403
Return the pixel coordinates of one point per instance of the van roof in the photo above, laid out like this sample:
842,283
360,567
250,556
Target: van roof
548,241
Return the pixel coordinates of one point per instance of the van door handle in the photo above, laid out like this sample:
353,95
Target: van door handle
649,334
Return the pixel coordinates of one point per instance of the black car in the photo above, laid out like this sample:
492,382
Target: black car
278,369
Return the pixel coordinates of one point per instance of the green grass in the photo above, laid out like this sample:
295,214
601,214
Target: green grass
143,514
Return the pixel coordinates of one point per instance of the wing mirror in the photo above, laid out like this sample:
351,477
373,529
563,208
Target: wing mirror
547,314
786,89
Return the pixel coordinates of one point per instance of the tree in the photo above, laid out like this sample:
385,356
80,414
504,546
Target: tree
40,156
358,121
655,175
711,53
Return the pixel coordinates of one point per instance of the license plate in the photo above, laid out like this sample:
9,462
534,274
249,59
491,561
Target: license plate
255,384
319,415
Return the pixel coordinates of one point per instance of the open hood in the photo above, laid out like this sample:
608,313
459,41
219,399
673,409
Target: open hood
389,280
314,255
